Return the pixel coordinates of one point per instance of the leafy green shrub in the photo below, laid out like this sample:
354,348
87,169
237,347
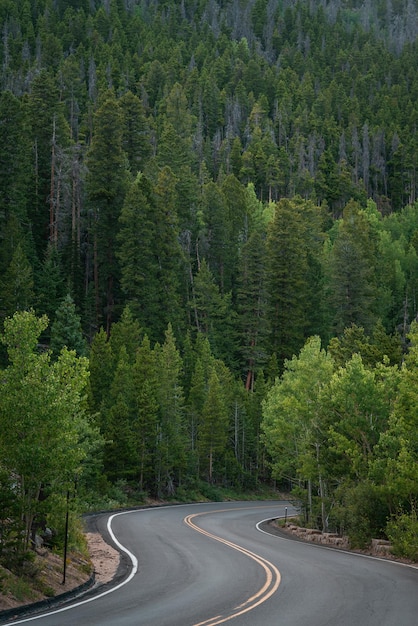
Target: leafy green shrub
403,533
360,513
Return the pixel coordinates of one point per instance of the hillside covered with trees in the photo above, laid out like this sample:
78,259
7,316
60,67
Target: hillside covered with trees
209,258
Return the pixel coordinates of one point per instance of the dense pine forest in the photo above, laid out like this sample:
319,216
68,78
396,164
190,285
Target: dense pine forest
209,258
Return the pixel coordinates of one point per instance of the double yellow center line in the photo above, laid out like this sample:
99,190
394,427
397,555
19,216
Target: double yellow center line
270,586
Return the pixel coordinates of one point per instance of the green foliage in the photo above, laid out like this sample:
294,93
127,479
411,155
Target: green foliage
243,179
66,329
361,513
351,283
106,186
17,283
42,408
149,253
289,240
403,533
293,423
213,314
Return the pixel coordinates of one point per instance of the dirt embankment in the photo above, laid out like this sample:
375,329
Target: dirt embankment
45,576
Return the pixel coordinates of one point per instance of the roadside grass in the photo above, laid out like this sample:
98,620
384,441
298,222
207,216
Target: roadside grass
16,587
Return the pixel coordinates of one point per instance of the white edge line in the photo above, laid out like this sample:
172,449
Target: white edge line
134,561
316,545
133,558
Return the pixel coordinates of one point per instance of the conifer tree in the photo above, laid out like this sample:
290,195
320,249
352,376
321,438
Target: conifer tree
106,187
66,329
14,159
136,132
213,430
50,287
150,254
286,279
102,367
126,333
170,449
17,284
145,380
120,452
251,305
352,286
48,132
214,315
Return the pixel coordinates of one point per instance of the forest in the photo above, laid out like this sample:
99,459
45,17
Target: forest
209,259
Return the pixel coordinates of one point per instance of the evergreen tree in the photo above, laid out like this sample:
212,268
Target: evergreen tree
101,367
49,284
352,287
14,159
106,188
49,133
66,329
251,306
150,254
213,430
145,380
214,315
136,132
127,334
286,279
121,461
17,284
170,449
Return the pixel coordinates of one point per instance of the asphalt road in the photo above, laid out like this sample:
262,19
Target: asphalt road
209,564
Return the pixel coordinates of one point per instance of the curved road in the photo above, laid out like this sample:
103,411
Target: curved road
209,564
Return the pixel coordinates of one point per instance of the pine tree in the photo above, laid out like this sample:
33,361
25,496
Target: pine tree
66,329
127,334
14,161
136,132
121,460
17,284
149,253
102,368
106,188
213,430
49,133
50,287
251,305
170,449
286,279
352,287
145,381
214,316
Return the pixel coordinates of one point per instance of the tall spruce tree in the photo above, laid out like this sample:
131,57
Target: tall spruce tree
286,279
352,288
170,459
136,132
49,134
14,160
66,329
251,305
16,285
107,181
149,253
213,430
145,380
